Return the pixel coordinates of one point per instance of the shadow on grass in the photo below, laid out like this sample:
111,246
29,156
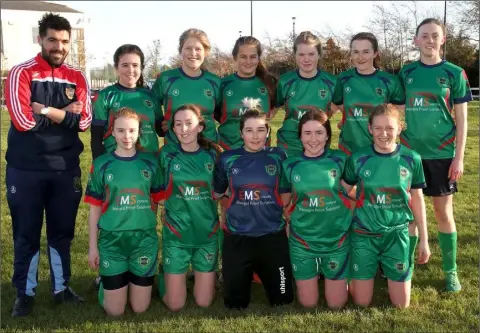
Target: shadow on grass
47,316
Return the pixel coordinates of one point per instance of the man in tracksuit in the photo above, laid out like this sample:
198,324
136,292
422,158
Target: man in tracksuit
49,103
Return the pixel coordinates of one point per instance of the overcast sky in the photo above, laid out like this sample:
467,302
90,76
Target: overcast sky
115,23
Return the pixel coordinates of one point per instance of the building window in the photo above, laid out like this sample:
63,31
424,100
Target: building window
34,35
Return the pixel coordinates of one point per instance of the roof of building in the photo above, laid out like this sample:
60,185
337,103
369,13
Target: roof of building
40,6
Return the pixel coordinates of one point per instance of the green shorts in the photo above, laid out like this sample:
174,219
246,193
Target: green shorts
177,260
135,251
333,266
390,249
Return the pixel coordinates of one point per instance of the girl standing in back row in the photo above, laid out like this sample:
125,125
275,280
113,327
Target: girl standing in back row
437,94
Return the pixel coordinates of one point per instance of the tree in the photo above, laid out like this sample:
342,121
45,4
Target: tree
152,60
335,59
468,18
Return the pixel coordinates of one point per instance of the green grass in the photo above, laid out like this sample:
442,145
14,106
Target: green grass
432,310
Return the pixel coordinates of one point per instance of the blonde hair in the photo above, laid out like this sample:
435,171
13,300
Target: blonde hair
198,34
306,37
388,110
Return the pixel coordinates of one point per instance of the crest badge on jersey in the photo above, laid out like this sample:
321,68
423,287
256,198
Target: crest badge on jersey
271,169
442,81
146,174
209,167
148,103
333,173
403,173
262,91
322,93
70,92
379,91
208,93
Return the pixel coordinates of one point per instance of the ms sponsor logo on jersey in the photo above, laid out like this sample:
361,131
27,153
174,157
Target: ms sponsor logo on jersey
302,109
424,102
386,198
194,190
255,195
318,201
131,199
359,112
271,169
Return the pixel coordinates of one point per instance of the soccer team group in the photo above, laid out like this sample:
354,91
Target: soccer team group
282,215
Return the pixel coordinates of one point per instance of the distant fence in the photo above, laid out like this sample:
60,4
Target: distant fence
99,84
476,96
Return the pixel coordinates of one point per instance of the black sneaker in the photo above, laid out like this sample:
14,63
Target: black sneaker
68,296
22,306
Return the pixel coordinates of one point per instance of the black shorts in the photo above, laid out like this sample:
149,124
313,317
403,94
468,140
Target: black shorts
114,282
266,255
436,177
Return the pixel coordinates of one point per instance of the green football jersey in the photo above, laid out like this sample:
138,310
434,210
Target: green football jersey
383,187
431,92
174,88
359,94
321,214
233,90
127,189
299,95
191,218
141,100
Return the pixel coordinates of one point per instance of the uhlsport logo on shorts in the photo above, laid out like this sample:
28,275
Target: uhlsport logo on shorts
271,169
294,267
144,261
400,266
283,279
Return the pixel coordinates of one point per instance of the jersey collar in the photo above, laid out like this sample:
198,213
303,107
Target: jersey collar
387,154
431,66
131,158
325,150
191,77
244,78
308,78
125,89
366,75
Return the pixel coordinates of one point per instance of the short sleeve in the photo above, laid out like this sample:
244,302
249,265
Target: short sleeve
397,93
279,96
337,98
100,110
285,184
418,177
349,174
220,179
94,193
156,192
461,92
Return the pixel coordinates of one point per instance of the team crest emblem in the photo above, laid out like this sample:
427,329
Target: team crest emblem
379,91
175,92
209,167
348,89
13,189
322,93
400,266
109,177
271,169
148,103
144,261
229,93
208,93
209,257
296,178
106,264
403,173
333,265
262,90
77,184
333,173
442,81
70,92
145,174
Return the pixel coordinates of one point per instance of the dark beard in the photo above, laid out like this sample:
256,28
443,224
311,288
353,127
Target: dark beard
48,58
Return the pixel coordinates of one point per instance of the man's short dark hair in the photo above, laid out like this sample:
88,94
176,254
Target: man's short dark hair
55,22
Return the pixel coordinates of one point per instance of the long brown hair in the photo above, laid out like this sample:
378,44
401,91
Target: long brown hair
373,40
307,37
261,72
199,35
320,116
130,49
202,141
